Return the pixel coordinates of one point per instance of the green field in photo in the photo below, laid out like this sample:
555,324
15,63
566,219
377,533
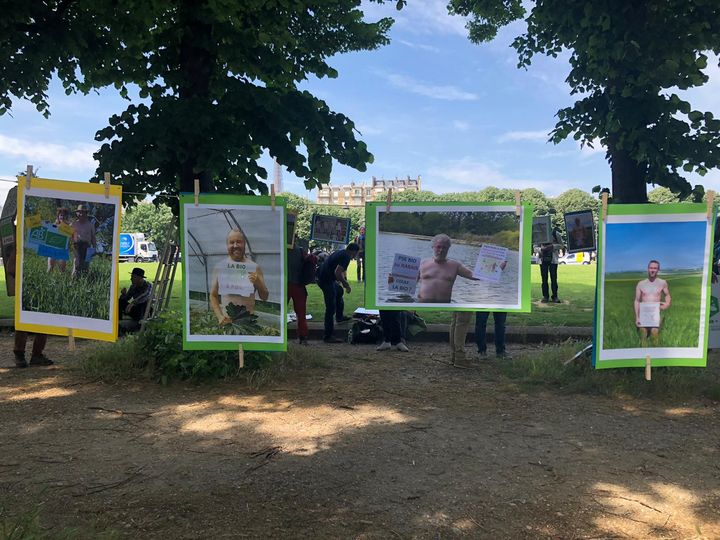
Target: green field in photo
680,326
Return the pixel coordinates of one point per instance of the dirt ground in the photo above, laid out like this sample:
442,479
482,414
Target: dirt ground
366,445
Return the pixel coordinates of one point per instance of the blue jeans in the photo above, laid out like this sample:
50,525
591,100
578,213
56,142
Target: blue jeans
334,305
481,319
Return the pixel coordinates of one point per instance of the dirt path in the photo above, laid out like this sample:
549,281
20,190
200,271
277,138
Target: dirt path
365,446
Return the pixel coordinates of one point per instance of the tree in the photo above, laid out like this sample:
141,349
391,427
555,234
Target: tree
541,204
217,82
149,219
626,60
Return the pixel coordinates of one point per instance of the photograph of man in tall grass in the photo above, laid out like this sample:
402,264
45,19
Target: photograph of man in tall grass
67,263
653,285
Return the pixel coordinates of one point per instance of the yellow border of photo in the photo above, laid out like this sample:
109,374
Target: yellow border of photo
66,186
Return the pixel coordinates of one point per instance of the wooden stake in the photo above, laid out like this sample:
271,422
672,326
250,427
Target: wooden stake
107,185
241,357
518,206
28,176
71,340
710,204
197,192
604,206
388,202
272,196
648,368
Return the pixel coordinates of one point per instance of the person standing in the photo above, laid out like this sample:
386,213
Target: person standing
331,277
360,241
60,219
297,292
481,319
393,325
549,258
83,238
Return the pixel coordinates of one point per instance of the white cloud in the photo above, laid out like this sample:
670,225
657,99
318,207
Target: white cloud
461,126
443,92
469,174
425,17
41,154
421,46
540,135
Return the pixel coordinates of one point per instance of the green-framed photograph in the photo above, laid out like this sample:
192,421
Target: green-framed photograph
235,279
653,297
458,256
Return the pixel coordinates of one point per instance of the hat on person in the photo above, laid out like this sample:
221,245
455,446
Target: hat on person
81,208
138,272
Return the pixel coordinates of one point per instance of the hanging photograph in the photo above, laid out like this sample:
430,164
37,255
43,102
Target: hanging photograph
653,286
66,258
542,230
330,229
234,284
454,256
580,227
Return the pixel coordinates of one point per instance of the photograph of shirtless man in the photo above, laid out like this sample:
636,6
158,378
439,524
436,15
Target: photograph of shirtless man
651,289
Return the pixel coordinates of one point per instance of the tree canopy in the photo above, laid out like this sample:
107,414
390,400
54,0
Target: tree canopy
627,61
217,84
151,220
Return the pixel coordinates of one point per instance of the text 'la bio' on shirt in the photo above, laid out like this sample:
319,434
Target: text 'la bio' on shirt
234,277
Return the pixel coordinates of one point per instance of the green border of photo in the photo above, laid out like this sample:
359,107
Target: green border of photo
370,249
232,200
650,209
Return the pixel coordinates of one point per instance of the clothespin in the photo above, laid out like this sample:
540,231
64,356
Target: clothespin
604,206
388,203
28,176
197,192
648,368
241,357
710,204
71,340
518,207
272,196
107,185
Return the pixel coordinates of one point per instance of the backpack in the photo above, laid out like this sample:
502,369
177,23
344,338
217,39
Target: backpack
365,330
309,270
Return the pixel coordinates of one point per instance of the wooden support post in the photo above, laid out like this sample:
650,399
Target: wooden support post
518,204
648,368
604,206
197,191
28,176
241,357
71,340
710,204
107,185
272,196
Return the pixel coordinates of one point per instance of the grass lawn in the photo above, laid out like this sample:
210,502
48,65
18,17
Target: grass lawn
680,324
576,290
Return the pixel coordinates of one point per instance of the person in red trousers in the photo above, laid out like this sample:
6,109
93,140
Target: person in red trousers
298,259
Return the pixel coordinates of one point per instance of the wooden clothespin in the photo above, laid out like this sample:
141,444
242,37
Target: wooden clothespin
272,196
241,357
107,185
71,340
648,368
388,202
604,206
28,176
710,204
197,192
518,206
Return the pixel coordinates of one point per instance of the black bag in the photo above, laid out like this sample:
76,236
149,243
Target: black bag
309,270
365,330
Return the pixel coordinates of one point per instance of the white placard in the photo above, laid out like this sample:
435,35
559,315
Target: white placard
405,272
650,314
234,278
489,261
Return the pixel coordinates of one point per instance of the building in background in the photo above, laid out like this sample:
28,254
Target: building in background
356,195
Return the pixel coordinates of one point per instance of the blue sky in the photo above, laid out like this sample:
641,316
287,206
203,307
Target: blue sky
461,116
631,246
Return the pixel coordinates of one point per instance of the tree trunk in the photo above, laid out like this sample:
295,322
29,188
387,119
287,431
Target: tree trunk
195,67
629,182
